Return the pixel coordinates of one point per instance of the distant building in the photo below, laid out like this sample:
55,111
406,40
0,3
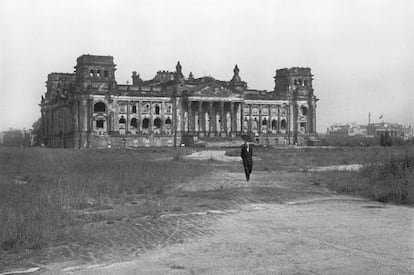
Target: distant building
17,138
392,129
370,130
346,130
89,109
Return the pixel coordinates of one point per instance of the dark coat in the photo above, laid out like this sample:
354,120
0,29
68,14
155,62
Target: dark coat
247,155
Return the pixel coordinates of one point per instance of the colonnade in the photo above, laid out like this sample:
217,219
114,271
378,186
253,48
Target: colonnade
211,118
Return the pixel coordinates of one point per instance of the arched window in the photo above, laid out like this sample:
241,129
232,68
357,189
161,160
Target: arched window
145,123
168,121
157,109
274,124
157,123
91,73
134,123
99,107
98,73
304,110
283,124
122,119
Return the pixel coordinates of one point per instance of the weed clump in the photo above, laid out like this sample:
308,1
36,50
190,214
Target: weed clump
390,180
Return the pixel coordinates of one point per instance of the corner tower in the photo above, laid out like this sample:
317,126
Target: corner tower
295,85
95,74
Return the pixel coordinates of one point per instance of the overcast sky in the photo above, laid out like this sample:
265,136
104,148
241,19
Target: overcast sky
361,52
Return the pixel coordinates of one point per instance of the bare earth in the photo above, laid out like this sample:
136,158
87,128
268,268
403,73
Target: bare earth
279,223
338,236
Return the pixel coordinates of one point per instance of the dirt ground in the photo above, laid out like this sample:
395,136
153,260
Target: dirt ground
325,236
279,223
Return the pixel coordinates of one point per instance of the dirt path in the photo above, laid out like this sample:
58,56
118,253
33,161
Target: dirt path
326,236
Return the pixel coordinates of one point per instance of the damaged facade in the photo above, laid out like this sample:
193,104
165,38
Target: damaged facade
88,109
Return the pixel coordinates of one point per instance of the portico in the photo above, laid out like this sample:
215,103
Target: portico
210,117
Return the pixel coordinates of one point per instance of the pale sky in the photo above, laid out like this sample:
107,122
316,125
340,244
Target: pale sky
361,52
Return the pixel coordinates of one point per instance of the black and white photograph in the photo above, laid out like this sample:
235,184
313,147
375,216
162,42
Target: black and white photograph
206,137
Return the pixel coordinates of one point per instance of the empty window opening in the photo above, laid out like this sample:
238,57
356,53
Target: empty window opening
157,109
157,123
106,74
134,109
274,124
264,122
145,123
98,73
168,121
122,119
134,123
283,124
99,107
91,73
303,126
100,124
304,110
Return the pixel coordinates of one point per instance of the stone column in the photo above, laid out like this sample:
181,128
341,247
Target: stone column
260,120
200,118
222,119
84,122
162,117
278,120
239,118
233,120
250,128
314,117
151,120
128,105
211,116
90,115
269,119
189,115
139,109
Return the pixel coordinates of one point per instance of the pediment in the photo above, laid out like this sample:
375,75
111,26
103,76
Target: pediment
214,90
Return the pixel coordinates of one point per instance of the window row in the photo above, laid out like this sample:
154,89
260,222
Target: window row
97,73
145,122
100,107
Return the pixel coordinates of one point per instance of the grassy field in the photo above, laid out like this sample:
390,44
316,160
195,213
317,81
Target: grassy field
100,199
41,188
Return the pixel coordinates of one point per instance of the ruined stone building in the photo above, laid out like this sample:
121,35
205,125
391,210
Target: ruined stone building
89,109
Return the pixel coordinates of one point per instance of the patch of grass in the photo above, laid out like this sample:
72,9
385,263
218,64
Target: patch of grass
41,188
284,157
391,180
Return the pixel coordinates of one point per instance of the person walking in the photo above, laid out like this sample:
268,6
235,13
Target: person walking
247,157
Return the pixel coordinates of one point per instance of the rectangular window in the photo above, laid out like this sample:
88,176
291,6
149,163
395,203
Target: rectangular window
134,109
122,108
99,124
